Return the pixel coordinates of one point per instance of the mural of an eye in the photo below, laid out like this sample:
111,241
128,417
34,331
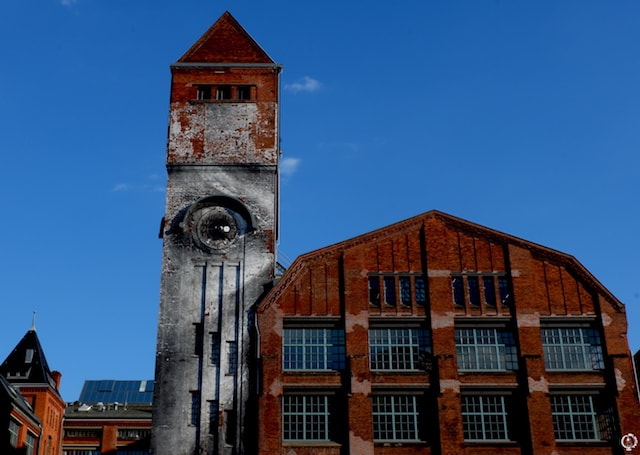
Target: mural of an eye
215,224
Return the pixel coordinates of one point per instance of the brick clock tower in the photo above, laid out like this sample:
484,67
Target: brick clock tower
219,238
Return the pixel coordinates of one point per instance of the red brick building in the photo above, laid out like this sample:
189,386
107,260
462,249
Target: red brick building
17,415
111,417
27,370
438,336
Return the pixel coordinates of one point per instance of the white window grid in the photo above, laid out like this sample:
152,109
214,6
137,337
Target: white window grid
485,349
395,418
398,348
313,349
14,429
484,418
30,444
305,417
572,348
574,418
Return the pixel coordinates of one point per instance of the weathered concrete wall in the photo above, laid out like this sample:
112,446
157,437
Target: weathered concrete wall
219,235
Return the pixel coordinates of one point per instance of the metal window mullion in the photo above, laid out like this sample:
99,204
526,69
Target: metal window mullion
393,418
325,349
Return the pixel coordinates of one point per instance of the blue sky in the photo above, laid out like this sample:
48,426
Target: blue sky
522,116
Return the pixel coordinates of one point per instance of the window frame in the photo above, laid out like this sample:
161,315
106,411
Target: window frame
397,417
392,350
576,419
395,289
325,355
560,354
505,355
14,432
484,417
477,289
225,92
299,425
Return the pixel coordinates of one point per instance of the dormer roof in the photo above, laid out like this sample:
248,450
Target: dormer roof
226,42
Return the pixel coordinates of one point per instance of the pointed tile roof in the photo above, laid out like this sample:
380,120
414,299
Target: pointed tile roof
27,363
226,42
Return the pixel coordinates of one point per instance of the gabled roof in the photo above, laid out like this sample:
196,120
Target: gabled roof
27,363
13,398
567,261
226,42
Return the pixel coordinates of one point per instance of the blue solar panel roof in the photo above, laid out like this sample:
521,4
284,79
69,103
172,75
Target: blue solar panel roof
112,391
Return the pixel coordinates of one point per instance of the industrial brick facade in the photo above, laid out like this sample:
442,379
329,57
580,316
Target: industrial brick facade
454,338
430,336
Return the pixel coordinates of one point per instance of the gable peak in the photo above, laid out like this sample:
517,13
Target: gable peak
226,41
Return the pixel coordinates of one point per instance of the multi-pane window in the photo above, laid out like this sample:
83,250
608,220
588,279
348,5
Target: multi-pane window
480,288
484,418
232,356
405,289
14,429
572,348
399,348
224,92
30,444
307,348
575,418
389,290
485,349
305,417
395,417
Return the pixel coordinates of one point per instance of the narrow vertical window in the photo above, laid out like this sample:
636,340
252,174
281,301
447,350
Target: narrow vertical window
243,92
474,290
458,290
421,291
223,92
374,290
405,290
489,285
195,408
14,429
30,444
503,289
198,339
213,416
232,353
230,429
215,348
389,290
204,92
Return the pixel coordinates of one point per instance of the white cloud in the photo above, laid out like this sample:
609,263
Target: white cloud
68,2
306,84
120,187
288,166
